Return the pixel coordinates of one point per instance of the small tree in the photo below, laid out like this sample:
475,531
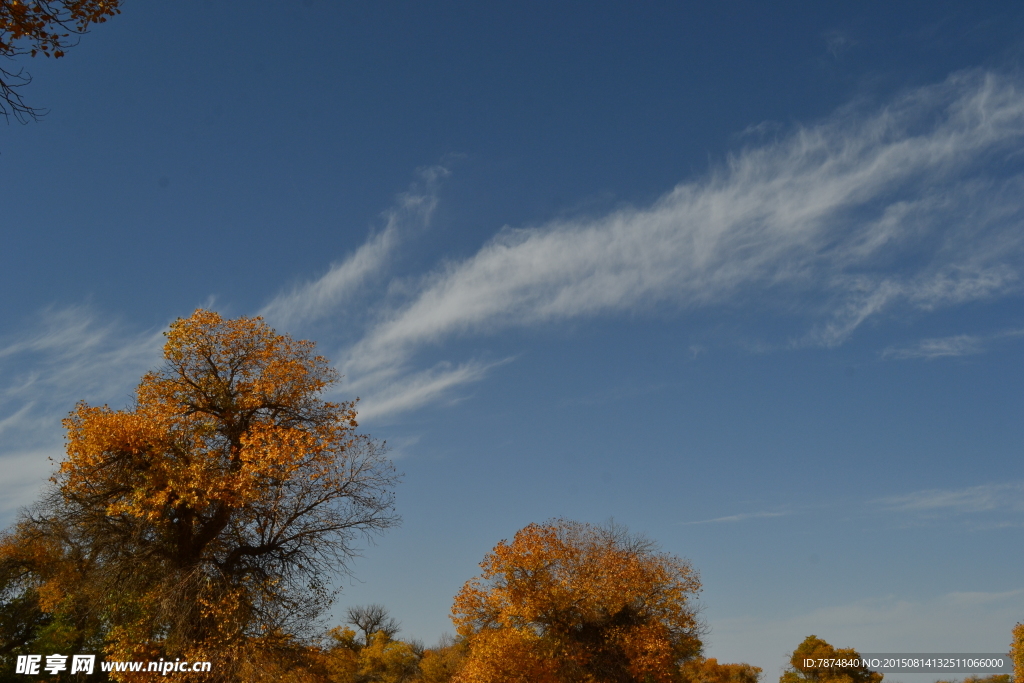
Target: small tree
371,619
210,518
700,670
566,601
804,668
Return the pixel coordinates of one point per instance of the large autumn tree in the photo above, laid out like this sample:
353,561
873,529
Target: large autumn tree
208,520
572,602
41,27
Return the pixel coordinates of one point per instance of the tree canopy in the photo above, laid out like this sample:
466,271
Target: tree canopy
701,670
41,27
804,667
568,601
211,515
371,619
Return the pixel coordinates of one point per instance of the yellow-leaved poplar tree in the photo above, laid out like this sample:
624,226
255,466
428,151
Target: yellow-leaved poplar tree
806,659
208,520
568,601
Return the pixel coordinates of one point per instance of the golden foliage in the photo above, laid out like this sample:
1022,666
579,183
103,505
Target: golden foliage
342,656
815,648
232,413
207,520
47,27
47,24
441,664
1017,652
387,661
383,660
700,670
566,601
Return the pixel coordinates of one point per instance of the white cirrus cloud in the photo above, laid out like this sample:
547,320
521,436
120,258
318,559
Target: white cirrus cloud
391,393
946,347
25,474
67,355
912,206
738,518
940,347
836,223
1008,496
313,300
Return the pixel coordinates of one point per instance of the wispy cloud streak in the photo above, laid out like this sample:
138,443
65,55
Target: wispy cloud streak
837,223
945,347
737,518
983,498
390,395
314,300
915,205
67,357
942,347
71,356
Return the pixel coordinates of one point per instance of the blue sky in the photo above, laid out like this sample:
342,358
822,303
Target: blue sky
746,278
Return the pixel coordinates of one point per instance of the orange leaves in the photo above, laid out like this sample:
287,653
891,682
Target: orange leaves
233,412
441,664
588,601
213,514
47,27
385,660
813,649
215,365
104,447
700,670
47,23
1017,652
516,655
